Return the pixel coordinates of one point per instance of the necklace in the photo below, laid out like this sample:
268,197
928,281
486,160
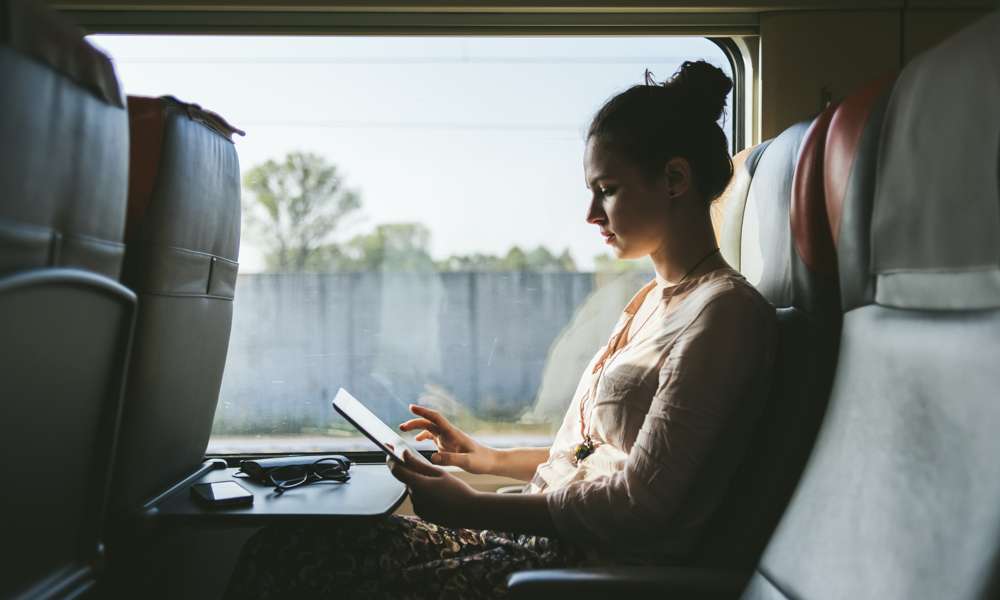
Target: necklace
588,445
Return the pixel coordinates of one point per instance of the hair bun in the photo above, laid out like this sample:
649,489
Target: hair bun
702,88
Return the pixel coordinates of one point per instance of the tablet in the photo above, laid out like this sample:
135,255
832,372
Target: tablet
374,429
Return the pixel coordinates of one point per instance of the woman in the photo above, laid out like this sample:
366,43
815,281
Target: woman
655,429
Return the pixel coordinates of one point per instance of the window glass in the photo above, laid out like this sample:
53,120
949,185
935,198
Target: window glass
413,223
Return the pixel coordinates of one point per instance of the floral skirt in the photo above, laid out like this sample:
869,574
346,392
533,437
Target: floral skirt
398,557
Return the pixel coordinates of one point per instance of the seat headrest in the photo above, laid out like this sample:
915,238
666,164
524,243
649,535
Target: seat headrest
809,222
43,35
935,230
727,211
765,236
149,120
849,186
785,247
184,187
64,143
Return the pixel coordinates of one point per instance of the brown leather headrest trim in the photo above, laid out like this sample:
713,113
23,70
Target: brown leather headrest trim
145,124
37,32
846,127
810,227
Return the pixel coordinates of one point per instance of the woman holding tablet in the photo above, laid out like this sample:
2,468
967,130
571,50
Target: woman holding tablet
655,430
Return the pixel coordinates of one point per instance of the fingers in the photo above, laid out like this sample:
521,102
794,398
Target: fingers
420,424
430,414
455,459
394,467
405,474
425,435
422,468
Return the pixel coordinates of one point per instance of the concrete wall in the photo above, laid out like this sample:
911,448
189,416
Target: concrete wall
477,340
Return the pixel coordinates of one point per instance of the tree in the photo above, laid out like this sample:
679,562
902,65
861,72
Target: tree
293,208
605,263
566,260
391,247
470,262
516,260
541,259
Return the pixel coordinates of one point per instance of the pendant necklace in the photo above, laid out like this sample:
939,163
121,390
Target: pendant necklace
588,445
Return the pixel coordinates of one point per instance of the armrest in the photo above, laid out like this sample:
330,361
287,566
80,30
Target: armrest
633,582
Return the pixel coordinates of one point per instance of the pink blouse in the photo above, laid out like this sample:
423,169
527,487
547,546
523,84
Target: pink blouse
670,412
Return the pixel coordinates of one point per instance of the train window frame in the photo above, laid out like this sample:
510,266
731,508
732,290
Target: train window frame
736,34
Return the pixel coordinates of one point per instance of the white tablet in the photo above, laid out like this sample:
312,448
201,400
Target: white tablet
374,429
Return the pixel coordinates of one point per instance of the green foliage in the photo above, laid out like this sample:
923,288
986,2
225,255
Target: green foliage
604,263
516,259
541,259
293,207
391,247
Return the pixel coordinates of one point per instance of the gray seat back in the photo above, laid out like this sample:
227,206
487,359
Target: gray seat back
776,234
901,498
65,323
66,335
182,237
64,132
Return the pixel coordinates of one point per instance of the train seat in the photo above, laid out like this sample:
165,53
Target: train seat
782,244
901,498
65,321
64,123
182,237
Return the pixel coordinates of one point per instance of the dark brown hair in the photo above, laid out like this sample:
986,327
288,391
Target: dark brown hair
651,123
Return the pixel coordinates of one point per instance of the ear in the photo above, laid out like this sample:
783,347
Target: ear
678,173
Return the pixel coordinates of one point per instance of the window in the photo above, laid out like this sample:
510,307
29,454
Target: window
432,244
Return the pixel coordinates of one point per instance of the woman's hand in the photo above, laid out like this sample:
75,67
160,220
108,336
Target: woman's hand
437,496
455,447
440,497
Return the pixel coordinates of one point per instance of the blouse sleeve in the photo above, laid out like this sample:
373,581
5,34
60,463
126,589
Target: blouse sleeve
720,360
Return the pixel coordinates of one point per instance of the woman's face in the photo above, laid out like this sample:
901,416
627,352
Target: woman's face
628,207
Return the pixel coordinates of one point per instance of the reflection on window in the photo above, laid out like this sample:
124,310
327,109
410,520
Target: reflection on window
413,223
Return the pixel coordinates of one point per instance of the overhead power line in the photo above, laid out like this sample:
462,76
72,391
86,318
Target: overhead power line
348,124
400,60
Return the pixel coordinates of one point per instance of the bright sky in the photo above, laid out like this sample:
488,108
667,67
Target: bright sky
480,139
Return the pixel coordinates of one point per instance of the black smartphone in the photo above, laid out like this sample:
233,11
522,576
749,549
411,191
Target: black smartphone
221,493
